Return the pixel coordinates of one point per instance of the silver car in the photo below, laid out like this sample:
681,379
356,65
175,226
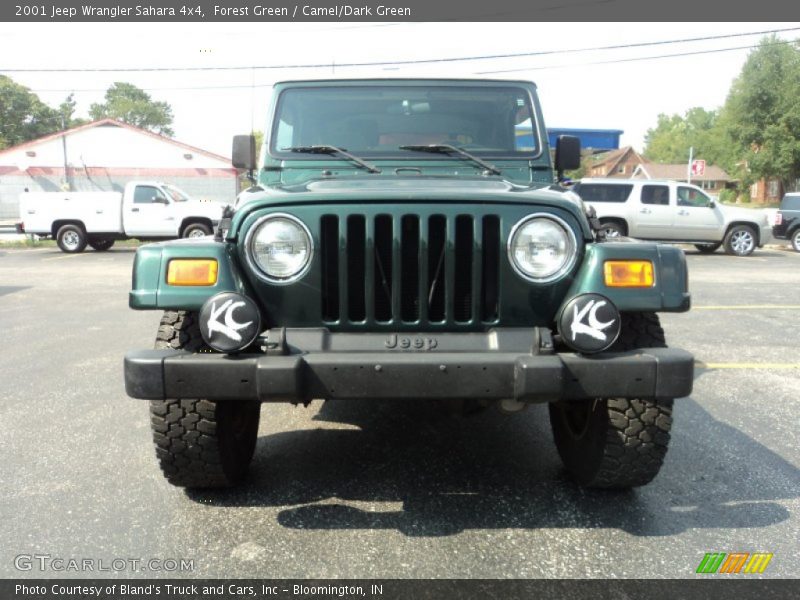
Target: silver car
672,211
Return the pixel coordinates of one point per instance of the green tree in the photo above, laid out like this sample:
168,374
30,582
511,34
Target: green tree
67,110
23,116
761,115
129,104
669,141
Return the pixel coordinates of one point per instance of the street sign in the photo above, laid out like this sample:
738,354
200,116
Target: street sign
698,168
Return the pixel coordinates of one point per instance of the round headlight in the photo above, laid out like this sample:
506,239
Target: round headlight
542,248
280,248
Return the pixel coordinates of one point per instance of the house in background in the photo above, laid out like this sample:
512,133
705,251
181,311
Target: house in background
766,190
619,163
714,180
104,156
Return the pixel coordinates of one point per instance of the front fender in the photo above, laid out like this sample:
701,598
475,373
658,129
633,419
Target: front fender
669,293
150,289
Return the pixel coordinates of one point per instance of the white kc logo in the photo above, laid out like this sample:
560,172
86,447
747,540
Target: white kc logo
594,328
230,328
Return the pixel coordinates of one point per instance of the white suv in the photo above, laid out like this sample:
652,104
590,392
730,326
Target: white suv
672,211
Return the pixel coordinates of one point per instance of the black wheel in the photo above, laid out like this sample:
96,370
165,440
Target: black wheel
71,238
616,442
707,248
194,230
796,240
200,443
101,244
611,229
740,240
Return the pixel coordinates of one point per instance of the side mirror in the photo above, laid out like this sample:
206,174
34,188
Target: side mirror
568,153
712,204
244,152
160,200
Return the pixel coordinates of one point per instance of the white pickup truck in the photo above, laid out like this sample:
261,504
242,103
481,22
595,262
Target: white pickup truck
672,211
146,210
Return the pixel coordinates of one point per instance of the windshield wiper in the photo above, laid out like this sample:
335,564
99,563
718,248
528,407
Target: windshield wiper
448,149
324,149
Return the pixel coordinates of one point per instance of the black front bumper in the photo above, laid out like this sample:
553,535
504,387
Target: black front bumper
496,365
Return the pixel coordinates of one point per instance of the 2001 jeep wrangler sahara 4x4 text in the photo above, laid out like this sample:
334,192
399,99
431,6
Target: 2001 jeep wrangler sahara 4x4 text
405,239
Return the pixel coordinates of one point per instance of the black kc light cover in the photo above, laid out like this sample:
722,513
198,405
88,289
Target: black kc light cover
589,323
229,322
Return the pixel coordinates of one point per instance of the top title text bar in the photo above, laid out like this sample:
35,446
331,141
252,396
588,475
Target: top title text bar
399,10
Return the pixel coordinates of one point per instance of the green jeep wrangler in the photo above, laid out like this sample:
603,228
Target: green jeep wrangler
409,239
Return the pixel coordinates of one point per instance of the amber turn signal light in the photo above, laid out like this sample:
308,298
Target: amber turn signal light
192,271
628,273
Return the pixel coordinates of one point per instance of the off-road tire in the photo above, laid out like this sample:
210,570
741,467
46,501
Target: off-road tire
730,241
200,443
101,244
616,442
707,248
71,238
196,230
639,330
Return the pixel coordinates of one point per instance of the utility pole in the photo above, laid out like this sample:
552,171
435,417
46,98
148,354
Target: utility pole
67,181
689,166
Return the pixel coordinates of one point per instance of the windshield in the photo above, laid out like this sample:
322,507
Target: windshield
375,121
175,194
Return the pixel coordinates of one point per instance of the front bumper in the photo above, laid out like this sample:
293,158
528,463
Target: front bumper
311,364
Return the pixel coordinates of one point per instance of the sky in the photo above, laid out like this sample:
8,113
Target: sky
585,89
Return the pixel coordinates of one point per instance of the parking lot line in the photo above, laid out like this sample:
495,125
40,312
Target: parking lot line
62,257
747,307
732,365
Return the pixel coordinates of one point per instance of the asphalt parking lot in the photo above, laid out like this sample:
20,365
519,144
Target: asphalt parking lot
389,490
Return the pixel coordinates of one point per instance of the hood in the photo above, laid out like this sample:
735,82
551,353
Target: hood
406,190
412,184
394,189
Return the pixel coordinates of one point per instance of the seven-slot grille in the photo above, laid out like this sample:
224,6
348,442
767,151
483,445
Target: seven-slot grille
411,268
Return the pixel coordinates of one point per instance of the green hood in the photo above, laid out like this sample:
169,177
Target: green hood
408,190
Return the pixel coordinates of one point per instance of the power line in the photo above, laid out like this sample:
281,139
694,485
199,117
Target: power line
537,68
403,62
165,89
631,59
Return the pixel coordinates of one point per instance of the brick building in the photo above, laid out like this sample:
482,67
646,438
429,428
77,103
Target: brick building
766,190
618,163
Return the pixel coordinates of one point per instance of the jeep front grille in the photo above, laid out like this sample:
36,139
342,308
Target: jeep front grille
386,269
